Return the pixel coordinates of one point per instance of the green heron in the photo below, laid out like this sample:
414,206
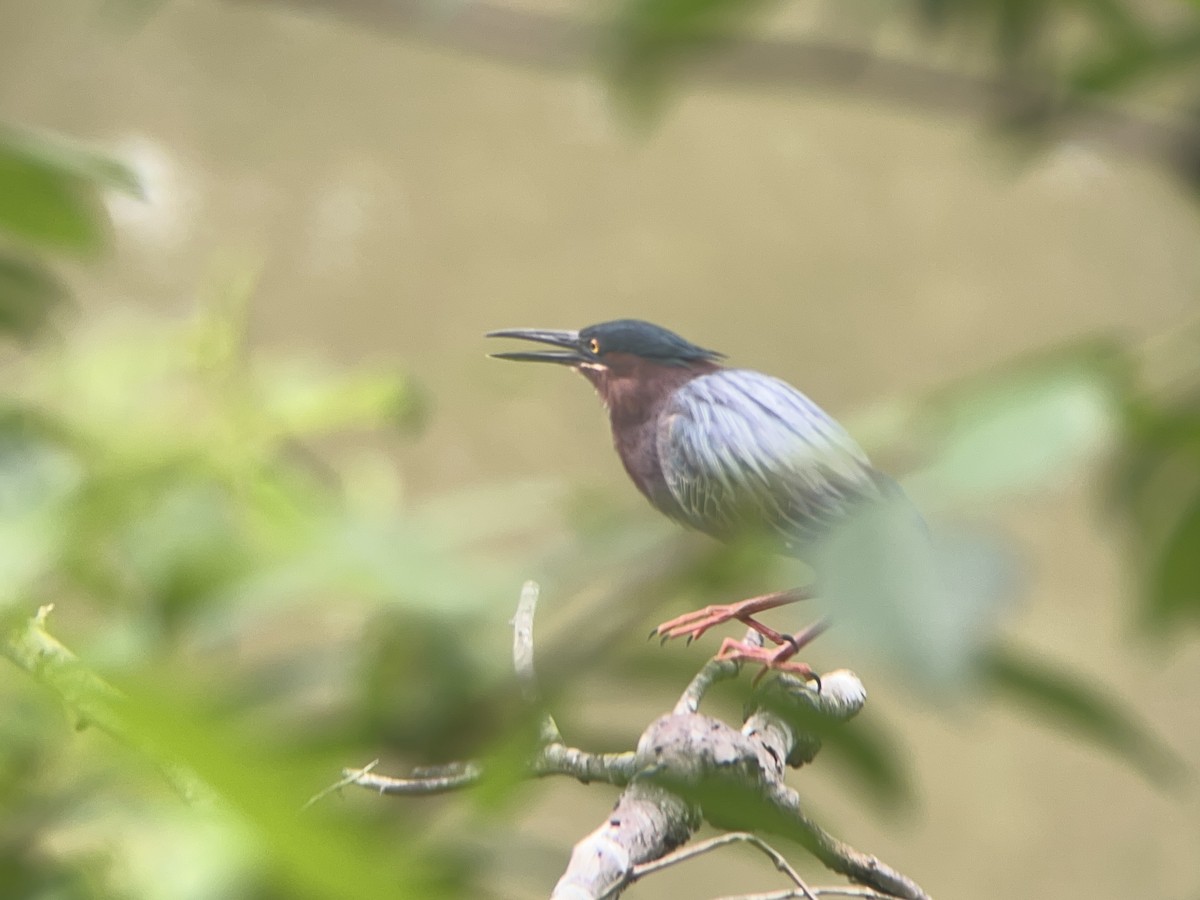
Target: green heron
725,451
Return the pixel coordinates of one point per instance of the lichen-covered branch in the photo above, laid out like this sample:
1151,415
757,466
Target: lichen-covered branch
688,767
610,768
647,823
836,855
698,767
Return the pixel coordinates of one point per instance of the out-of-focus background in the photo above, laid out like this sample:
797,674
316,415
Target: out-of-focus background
260,463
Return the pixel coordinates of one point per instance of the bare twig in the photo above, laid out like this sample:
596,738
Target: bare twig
732,837
795,894
440,782
352,776
553,759
522,623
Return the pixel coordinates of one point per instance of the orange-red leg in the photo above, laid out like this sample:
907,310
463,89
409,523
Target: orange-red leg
778,659
692,625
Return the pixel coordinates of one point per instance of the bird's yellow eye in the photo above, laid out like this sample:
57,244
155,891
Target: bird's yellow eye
594,346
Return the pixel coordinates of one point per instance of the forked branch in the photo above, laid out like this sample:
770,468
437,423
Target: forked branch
689,767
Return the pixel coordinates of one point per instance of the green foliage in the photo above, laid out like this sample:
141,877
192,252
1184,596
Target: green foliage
45,205
49,203
650,39
1156,491
1139,57
58,160
1016,430
1020,428
176,499
29,292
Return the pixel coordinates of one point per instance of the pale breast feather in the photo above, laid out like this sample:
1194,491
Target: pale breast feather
740,450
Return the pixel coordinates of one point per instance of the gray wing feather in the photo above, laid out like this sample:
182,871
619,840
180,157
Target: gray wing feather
742,450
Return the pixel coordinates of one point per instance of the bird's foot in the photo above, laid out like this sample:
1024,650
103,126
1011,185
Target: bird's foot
777,659
694,624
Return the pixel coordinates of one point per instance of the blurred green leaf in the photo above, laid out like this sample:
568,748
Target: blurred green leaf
303,401
68,157
1155,488
47,209
229,772
1023,427
1160,457
1070,703
36,479
925,604
29,293
872,757
1174,589
306,853
649,38
1023,32
48,191
1117,66
183,544
425,692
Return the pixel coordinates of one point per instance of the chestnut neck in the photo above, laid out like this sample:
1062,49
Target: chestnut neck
634,389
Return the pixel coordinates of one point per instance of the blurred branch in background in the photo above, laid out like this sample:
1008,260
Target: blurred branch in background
652,46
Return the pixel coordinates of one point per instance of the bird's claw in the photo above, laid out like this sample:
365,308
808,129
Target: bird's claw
694,624
778,659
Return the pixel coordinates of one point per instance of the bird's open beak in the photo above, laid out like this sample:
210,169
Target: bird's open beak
569,340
